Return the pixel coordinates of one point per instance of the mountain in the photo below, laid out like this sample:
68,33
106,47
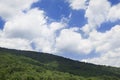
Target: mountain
28,65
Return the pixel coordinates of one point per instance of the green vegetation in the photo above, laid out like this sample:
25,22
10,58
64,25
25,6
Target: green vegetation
27,65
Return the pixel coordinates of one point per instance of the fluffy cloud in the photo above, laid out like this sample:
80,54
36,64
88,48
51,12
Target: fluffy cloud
96,14
111,58
30,30
32,26
25,30
107,45
114,13
10,8
46,42
15,43
28,25
78,4
106,41
0,33
71,41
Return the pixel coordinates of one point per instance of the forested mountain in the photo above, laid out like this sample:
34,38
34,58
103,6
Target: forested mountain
28,65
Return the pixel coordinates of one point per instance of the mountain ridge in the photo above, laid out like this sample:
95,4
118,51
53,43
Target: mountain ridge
60,64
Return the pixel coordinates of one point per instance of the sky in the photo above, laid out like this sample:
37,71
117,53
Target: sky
83,30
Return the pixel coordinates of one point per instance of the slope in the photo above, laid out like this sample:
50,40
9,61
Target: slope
28,65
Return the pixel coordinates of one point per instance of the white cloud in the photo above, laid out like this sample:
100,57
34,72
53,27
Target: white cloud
114,13
0,33
10,8
14,43
28,25
72,42
22,29
107,45
86,28
54,26
43,45
111,58
30,29
96,13
32,26
106,41
46,42
77,4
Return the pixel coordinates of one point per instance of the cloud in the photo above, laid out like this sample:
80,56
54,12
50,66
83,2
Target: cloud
114,13
46,42
78,4
28,25
31,26
96,13
10,8
71,41
106,41
15,43
107,45
111,58
30,30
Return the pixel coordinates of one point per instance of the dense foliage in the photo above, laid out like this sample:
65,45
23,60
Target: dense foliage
26,65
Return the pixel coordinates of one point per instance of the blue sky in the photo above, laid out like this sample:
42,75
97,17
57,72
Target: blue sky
57,9
84,30
114,2
2,22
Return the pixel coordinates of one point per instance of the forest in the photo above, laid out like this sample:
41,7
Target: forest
29,65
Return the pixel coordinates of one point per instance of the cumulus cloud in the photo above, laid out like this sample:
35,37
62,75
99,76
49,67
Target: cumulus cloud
96,14
15,43
114,13
33,27
30,30
111,58
78,4
28,25
71,42
106,41
10,8
107,45
46,42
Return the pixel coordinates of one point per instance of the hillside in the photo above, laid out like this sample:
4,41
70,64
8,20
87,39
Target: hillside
28,65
